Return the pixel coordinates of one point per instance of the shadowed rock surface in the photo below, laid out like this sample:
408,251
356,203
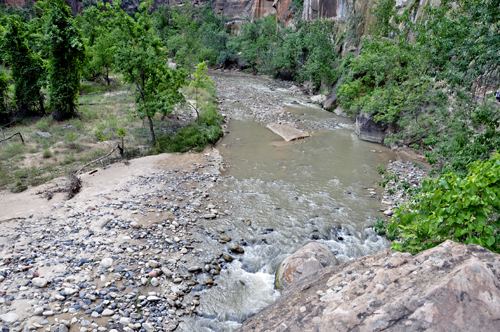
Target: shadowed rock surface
452,287
369,130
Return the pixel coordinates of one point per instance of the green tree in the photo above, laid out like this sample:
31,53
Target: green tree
28,69
201,81
141,58
66,55
96,25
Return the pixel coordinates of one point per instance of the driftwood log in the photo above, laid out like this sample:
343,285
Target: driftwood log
18,133
99,159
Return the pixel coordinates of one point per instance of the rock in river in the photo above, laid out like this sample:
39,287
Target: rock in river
236,249
308,260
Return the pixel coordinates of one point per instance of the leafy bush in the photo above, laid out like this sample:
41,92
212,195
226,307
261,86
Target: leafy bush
194,136
47,154
462,209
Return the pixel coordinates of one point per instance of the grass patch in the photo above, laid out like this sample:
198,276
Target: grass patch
103,111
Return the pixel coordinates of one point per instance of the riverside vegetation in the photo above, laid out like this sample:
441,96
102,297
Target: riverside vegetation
429,78
99,72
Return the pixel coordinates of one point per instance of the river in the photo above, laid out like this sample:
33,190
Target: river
283,194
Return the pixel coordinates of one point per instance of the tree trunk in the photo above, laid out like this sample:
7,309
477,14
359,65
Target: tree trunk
41,104
152,130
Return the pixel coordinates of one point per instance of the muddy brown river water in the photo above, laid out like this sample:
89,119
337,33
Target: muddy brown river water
284,194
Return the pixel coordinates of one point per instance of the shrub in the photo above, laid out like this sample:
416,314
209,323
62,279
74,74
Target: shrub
462,209
44,123
47,154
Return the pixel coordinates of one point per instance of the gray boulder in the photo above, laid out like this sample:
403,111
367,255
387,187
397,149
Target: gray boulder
369,130
308,260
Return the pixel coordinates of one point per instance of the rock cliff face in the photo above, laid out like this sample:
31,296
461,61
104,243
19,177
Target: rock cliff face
452,287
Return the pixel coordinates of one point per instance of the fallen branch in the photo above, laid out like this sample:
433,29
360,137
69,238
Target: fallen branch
98,159
18,133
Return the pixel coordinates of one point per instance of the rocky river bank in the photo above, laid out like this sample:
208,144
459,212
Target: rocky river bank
119,256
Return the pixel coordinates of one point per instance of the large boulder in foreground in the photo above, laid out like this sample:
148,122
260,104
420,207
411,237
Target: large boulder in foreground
308,260
452,287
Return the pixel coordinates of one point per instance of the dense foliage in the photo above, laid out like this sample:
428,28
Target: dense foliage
27,68
66,55
463,209
424,78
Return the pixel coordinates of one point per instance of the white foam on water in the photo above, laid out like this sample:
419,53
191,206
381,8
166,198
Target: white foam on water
237,296
356,244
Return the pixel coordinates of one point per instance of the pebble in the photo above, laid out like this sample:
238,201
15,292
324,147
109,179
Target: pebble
39,282
227,258
153,264
9,317
107,262
108,312
236,249
155,282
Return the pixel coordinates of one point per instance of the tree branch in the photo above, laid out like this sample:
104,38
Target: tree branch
96,160
18,133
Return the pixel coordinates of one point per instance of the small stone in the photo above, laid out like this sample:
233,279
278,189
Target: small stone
148,327
44,134
227,258
9,317
85,322
388,213
153,298
302,309
107,262
209,216
194,269
135,224
155,282
48,313
236,249
63,328
38,311
154,273
39,282
125,321
153,264
167,272
108,312
224,239
70,291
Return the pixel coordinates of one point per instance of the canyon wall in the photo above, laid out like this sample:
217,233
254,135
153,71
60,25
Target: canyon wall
357,12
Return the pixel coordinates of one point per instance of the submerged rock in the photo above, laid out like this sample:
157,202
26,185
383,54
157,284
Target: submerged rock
308,260
450,287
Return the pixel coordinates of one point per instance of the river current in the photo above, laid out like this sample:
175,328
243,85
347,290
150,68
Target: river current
283,195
